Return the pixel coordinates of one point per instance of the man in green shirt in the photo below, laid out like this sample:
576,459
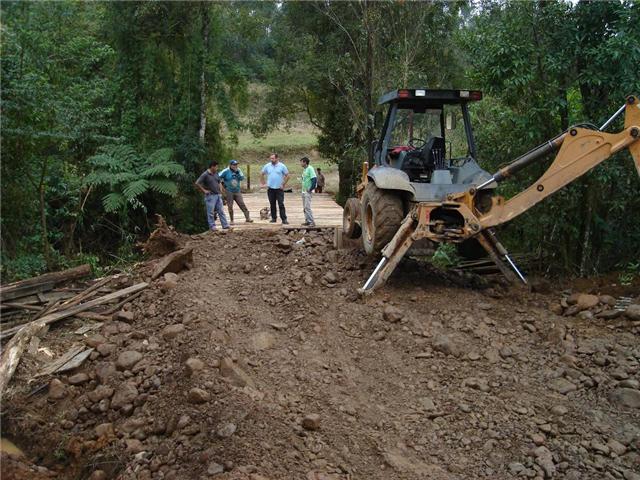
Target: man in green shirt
309,180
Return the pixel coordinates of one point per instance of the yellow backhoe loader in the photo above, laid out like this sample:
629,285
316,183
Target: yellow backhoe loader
425,184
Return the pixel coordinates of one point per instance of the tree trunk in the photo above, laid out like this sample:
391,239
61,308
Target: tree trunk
369,79
346,173
203,80
46,248
564,111
586,232
10,290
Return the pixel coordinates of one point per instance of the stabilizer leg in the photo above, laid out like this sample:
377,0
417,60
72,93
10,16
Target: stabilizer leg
496,252
391,255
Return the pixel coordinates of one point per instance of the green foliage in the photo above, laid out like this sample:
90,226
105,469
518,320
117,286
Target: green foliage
545,66
446,256
23,266
103,107
631,271
127,176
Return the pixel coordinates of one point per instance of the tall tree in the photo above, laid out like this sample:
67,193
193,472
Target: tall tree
55,110
547,65
334,60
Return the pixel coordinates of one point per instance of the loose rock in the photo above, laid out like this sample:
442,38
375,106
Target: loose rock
124,316
57,389
215,468
172,331
330,277
78,378
442,343
125,394
392,314
197,395
126,360
586,301
226,430
263,340
562,385
233,372
625,397
311,421
193,365
633,312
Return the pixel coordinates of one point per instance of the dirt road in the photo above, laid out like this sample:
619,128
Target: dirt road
261,362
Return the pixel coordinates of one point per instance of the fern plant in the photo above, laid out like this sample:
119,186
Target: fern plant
128,176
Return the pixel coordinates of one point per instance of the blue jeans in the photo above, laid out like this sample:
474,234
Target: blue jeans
213,203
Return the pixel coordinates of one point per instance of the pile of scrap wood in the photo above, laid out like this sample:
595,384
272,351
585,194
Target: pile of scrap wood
28,308
486,266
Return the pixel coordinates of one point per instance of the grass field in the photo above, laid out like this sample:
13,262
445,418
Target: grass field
299,135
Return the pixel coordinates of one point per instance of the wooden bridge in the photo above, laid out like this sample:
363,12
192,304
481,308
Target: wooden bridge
326,212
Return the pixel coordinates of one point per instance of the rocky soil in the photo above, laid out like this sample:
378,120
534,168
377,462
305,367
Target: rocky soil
262,363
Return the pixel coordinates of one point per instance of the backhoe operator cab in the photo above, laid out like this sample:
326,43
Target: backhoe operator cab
422,140
424,153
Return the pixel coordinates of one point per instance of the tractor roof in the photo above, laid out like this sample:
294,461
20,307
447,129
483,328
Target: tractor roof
425,97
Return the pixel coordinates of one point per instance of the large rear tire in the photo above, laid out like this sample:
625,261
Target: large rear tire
351,218
380,218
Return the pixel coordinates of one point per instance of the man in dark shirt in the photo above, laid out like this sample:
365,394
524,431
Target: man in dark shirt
209,184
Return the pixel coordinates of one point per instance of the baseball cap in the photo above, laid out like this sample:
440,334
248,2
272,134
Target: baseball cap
233,162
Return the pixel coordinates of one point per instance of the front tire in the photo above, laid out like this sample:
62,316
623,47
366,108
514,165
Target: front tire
380,217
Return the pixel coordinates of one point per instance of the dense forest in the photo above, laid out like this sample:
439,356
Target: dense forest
110,110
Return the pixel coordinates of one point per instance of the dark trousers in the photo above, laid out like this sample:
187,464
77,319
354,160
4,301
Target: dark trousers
277,194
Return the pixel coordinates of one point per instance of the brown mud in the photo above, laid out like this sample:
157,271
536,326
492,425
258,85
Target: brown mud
261,362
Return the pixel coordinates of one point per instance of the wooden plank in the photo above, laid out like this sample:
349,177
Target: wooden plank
174,262
119,305
79,310
25,290
14,349
24,306
76,361
73,358
53,277
88,328
10,332
86,293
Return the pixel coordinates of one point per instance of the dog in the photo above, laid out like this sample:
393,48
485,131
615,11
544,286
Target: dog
264,213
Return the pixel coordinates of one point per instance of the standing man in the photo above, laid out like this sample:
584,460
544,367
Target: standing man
277,176
231,178
309,180
320,183
209,184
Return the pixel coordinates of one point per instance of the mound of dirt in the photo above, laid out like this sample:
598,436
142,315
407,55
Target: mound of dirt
163,240
261,363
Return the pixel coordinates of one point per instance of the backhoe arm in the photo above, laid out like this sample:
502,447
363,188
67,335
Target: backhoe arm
581,149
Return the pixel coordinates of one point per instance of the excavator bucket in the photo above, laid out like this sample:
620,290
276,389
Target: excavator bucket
631,118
